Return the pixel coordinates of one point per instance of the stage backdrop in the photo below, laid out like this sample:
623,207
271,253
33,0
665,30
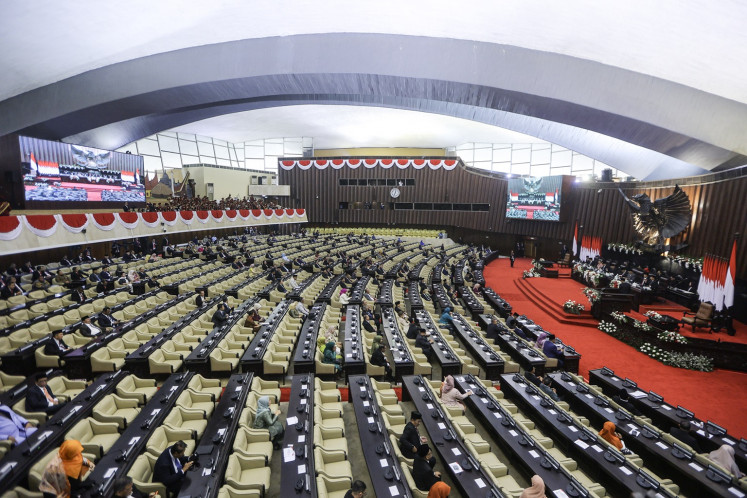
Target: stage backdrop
717,201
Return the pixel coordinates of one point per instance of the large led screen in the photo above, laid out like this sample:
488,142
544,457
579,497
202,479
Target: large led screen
534,198
59,172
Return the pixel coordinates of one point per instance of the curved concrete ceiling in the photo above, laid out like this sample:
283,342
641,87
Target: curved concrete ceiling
654,90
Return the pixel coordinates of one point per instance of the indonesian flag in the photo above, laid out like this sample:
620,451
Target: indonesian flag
514,196
128,176
137,177
730,277
34,165
575,240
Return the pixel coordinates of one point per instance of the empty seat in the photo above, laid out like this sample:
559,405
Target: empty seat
193,400
253,442
330,439
231,492
194,421
107,360
204,385
142,475
115,409
10,381
164,362
267,388
132,387
165,436
96,437
64,388
333,464
247,472
223,361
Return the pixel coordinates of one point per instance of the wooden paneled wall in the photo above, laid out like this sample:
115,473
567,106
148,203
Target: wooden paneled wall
719,208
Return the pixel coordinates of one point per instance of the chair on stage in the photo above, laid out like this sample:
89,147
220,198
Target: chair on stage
703,317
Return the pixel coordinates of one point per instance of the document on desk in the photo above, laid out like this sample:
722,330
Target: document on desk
581,444
736,492
289,454
393,491
625,470
638,394
383,462
456,451
291,421
480,483
456,468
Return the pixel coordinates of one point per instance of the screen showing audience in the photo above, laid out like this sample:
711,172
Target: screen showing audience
60,172
534,198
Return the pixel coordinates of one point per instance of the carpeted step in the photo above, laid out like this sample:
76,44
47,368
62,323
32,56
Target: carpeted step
553,308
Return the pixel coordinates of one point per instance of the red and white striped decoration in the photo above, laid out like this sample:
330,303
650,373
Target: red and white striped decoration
373,162
591,247
716,283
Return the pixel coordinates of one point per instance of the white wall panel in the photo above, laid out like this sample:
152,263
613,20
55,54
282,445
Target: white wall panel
190,159
168,144
148,147
152,163
206,149
221,152
171,160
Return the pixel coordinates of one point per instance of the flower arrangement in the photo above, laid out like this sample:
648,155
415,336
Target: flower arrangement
573,307
607,327
642,326
592,295
619,317
688,361
672,336
624,248
530,273
652,314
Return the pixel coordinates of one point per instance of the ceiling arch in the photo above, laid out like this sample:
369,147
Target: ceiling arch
643,124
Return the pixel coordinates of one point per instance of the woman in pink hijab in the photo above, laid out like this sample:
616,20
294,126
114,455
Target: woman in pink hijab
724,456
536,490
450,395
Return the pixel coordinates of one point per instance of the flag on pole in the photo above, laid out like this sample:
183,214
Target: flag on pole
34,165
731,274
575,240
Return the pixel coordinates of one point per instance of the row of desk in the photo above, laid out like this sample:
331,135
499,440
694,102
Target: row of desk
462,467
132,441
304,355
710,436
297,471
450,362
383,467
198,360
487,358
15,465
619,476
354,361
137,361
661,456
215,443
403,361
500,305
251,361
524,452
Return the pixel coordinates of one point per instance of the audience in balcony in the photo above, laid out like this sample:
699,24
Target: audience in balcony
205,204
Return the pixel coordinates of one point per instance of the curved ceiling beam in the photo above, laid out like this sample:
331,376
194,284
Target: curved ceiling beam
365,68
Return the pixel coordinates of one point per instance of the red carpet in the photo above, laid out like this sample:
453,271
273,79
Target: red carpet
719,396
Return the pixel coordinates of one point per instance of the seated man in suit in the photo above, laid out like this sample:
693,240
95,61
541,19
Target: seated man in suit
40,397
77,295
624,286
684,434
220,316
424,343
200,299
88,329
56,346
493,330
622,399
422,472
378,359
105,319
410,441
170,467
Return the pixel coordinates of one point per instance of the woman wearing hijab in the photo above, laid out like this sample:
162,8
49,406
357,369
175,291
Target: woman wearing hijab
330,356
610,435
541,340
265,419
450,395
445,317
439,490
253,320
63,474
375,345
344,298
536,490
724,456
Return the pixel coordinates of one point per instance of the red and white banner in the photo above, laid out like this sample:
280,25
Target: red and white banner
373,162
574,247
33,232
717,280
591,247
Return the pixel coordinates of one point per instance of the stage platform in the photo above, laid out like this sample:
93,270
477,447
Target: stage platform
551,293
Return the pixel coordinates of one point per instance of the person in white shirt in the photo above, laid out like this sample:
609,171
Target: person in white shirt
292,283
344,298
13,426
301,309
88,329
